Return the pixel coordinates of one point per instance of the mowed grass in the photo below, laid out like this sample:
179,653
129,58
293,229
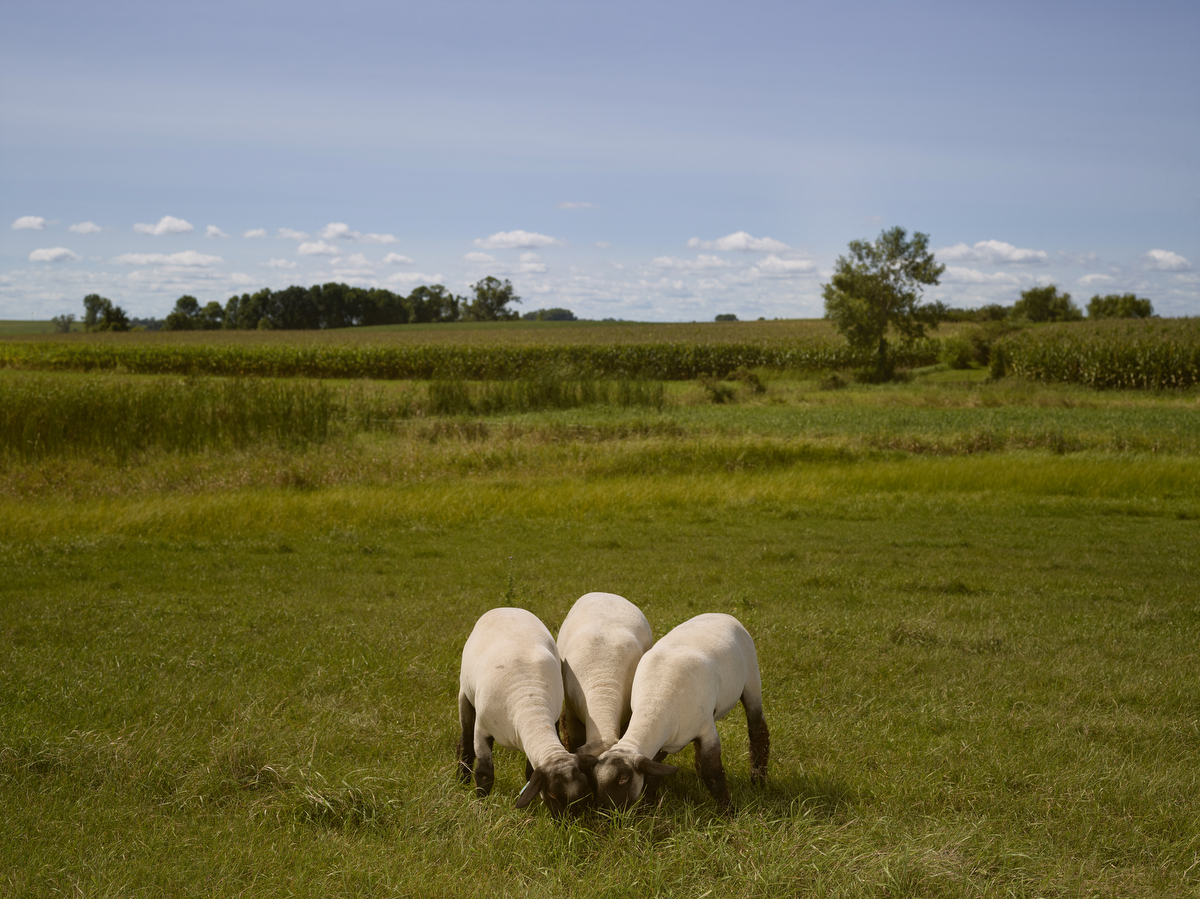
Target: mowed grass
231,670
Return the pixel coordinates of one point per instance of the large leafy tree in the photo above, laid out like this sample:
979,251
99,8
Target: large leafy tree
876,289
1046,304
492,297
1124,305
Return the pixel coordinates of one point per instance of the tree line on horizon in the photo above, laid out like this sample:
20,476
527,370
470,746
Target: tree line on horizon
320,306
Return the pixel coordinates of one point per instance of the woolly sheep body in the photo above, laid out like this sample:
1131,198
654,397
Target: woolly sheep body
511,692
689,680
601,641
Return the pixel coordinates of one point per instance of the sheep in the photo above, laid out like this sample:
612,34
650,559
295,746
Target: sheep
690,679
511,691
600,642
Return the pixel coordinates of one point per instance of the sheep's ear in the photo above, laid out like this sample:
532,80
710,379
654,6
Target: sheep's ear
532,788
651,768
587,762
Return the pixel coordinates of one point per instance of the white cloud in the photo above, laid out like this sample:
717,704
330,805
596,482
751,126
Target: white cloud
992,252
414,278
1166,261
567,204
700,263
280,263
603,245
29,223
396,259
320,248
341,231
740,240
958,275
187,259
85,228
358,260
338,231
168,224
52,254
784,268
1095,279
531,263
517,240
480,259
1086,260
289,234
214,231
255,233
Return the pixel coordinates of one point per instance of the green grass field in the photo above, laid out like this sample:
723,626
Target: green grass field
229,663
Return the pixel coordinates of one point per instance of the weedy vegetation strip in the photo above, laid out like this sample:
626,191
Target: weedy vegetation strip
662,361
1149,354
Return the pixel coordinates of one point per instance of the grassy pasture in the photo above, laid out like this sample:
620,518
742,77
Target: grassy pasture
228,667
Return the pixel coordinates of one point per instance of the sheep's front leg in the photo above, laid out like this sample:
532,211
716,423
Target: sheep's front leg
466,742
709,767
485,774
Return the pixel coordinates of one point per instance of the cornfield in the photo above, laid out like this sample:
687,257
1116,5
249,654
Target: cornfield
1161,354
657,361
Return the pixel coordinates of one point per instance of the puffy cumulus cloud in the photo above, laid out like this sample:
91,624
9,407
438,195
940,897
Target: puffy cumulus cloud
319,248
480,259
289,234
358,260
959,275
531,264
214,231
414,278
568,204
52,254
341,231
700,263
168,224
396,259
186,259
85,228
255,233
280,263
740,240
517,240
1165,261
992,252
29,223
775,267
1087,280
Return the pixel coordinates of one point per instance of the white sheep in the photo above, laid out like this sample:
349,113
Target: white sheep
691,678
600,643
511,691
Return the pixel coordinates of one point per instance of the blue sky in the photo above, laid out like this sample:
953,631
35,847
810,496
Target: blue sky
650,161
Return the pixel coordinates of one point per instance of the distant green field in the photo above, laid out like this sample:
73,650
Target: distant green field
25,328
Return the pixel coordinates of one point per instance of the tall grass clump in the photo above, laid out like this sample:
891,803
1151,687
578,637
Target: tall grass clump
539,392
1153,354
43,417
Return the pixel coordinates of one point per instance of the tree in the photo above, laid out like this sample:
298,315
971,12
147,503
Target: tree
877,287
185,315
1126,305
491,299
62,323
556,314
1046,304
102,315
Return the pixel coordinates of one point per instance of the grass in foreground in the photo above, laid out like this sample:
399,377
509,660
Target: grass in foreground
969,694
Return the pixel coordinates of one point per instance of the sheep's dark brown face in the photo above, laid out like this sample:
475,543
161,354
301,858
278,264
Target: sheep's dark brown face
618,782
564,785
622,776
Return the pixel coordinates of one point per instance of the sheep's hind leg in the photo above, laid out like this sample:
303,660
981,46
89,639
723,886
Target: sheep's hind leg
709,767
466,742
760,740
485,773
